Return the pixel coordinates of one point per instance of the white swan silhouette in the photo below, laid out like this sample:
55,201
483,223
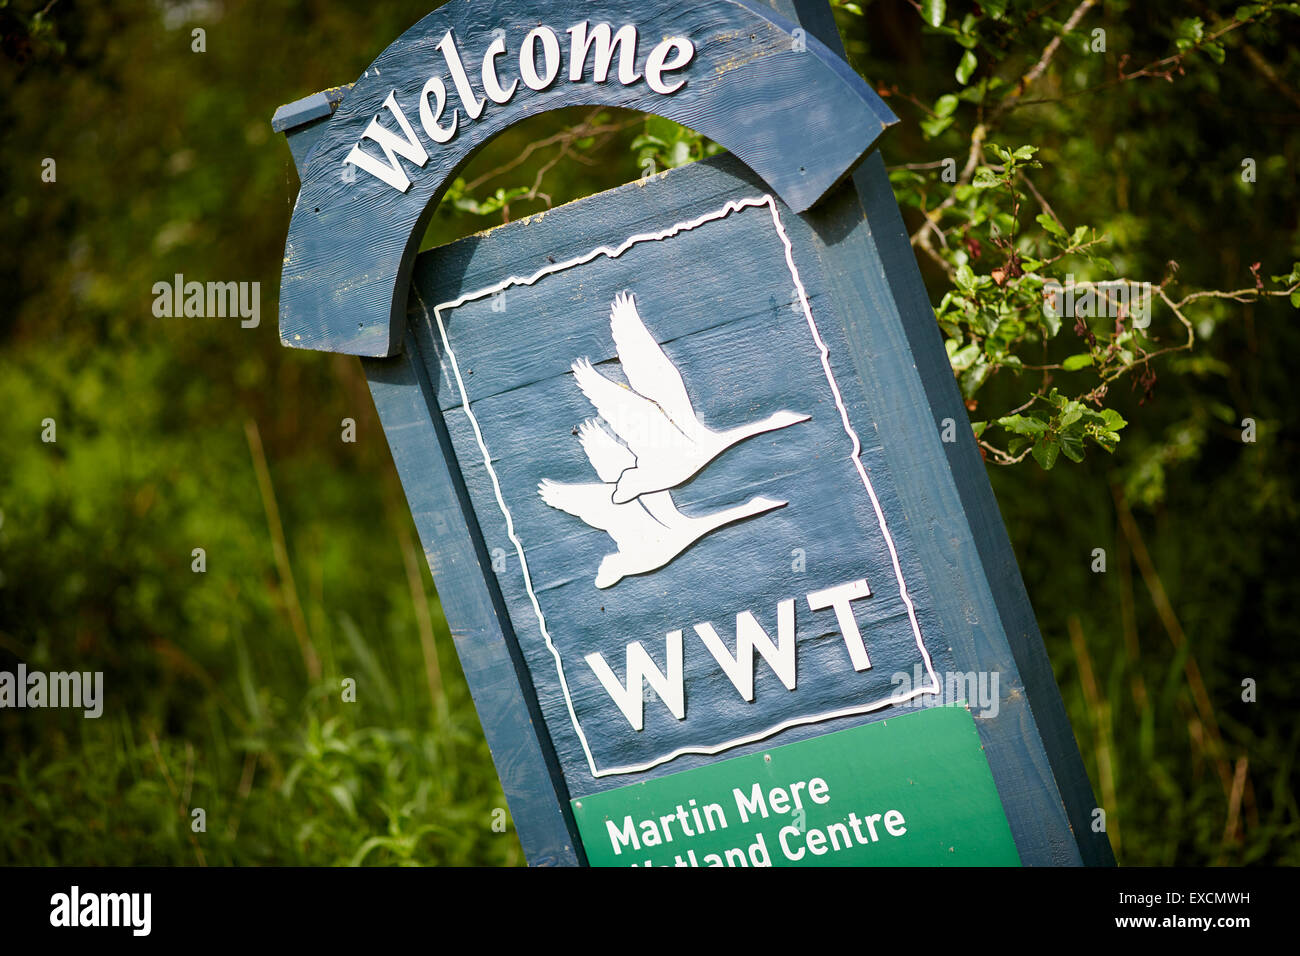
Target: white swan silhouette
650,531
655,417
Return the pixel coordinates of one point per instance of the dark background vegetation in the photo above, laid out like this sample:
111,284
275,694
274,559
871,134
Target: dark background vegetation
174,434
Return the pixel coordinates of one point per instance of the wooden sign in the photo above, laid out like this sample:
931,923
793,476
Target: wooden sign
722,593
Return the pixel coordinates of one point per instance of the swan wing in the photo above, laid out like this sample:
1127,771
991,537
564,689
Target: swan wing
627,524
639,422
607,454
660,506
647,368
590,502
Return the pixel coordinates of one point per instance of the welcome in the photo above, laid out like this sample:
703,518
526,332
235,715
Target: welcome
539,62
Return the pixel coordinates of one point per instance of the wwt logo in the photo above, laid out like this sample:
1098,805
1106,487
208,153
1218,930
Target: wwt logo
103,909
658,443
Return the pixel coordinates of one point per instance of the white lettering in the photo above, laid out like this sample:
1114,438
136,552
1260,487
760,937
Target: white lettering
624,837
550,58
473,104
596,44
641,670
491,82
658,63
600,37
750,636
429,117
393,146
838,598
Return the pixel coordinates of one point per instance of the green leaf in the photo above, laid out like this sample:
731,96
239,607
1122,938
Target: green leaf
1075,362
932,126
1072,445
1113,420
343,798
1295,298
1190,28
964,358
964,278
974,377
932,11
1050,224
662,129
966,67
1188,32
1045,453
945,104
1052,319
1292,276
1107,440
1023,425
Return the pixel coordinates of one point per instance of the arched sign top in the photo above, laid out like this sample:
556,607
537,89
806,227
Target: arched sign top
787,106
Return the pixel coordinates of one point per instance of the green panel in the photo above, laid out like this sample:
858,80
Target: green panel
910,791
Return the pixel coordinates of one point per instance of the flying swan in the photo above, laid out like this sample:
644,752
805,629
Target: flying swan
655,418
650,531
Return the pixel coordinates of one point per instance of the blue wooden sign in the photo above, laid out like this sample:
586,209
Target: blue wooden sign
473,67
661,433
674,452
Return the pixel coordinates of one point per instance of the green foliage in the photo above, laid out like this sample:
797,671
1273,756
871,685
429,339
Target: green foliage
1009,319
667,145
1064,427
208,703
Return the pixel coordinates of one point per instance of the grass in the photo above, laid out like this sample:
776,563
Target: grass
229,734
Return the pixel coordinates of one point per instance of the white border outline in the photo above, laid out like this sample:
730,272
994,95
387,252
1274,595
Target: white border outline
734,205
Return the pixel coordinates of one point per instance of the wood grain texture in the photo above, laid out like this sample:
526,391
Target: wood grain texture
303,122
788,107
